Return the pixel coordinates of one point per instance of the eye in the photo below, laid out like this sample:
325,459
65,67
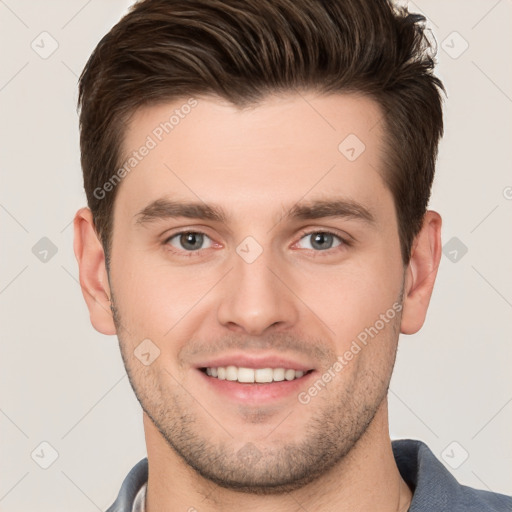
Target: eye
320,240
190,241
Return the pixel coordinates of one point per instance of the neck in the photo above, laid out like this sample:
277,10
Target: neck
366,479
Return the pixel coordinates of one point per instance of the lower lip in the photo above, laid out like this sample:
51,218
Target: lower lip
256,392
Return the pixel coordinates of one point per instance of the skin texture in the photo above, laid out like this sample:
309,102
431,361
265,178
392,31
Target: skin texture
294,300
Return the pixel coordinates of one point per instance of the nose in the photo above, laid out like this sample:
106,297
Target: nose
258,296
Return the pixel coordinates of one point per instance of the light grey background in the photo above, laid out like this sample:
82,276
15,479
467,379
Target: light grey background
64,384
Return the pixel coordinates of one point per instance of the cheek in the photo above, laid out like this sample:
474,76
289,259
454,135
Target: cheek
352,296
153,296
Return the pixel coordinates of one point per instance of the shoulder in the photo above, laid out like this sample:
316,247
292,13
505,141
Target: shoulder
435,488
134,481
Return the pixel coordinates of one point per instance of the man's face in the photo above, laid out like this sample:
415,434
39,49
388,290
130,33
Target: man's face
279,282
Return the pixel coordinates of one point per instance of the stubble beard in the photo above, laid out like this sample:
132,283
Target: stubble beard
341,418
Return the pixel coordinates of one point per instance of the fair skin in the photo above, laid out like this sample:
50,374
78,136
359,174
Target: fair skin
218,445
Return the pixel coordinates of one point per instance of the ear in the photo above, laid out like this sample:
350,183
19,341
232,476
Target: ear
93,272
421,273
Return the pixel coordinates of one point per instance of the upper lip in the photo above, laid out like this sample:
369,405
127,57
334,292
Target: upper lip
256,361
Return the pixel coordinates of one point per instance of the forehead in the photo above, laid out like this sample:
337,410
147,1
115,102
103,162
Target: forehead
284,148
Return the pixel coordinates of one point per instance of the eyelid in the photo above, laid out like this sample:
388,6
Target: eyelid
187,231
172,232
345,238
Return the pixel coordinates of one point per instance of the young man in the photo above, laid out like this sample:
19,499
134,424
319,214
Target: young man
257,236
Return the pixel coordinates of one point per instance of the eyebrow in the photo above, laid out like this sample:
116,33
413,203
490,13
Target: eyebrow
168,209
337,208
162,209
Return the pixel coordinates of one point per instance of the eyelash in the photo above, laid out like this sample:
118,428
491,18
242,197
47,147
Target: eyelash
345,242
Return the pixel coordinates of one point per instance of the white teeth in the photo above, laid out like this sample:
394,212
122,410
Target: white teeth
245,375
231,373
249,375
264,375
289,374
279,374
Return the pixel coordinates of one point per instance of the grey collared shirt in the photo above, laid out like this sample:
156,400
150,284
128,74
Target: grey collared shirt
434,487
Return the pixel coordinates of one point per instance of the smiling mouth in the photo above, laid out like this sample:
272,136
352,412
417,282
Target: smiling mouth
254,375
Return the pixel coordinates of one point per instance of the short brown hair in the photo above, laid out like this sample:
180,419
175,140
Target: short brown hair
243,50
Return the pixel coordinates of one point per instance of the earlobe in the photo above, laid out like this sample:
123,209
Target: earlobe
421,273
93,273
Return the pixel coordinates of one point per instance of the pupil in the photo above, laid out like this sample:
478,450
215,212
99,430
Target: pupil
322,241
192,240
